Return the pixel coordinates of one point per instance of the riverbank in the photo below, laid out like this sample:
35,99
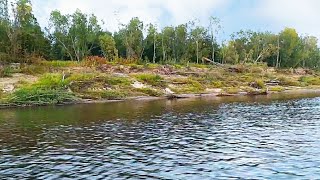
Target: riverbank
64,82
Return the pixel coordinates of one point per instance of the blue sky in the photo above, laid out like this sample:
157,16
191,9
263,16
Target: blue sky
261,15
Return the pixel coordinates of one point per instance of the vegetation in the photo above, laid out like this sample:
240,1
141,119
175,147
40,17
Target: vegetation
74,58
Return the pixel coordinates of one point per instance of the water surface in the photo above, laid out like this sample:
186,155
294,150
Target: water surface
274,137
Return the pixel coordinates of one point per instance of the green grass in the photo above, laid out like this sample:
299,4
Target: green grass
310,80
287,81
232,90
107,94
150,92
151,79
38,96
6,72
60,64
277,89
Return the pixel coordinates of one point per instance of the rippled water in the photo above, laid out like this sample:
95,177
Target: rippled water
217,138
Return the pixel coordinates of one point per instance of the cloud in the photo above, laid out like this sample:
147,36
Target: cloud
300,14
162,12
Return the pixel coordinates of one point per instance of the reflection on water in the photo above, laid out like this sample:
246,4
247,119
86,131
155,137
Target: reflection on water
211,138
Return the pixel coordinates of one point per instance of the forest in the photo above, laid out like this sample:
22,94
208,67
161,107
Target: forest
77,36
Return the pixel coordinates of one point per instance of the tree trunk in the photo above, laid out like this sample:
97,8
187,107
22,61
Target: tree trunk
163,51
154,48
278,55
197,51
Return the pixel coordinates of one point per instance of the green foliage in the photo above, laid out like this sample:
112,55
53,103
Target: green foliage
51,81
287,81
310,80
232,90
151,79
260,83
150,92
38,96
34,69
59,64
6,72
108,46
276,89
107,95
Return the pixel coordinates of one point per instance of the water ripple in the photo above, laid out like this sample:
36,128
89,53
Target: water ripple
277,140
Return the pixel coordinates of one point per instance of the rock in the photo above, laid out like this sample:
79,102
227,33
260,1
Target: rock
8,88
120,75
138,85
168,91
215,90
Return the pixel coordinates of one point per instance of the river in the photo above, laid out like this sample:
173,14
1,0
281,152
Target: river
262,137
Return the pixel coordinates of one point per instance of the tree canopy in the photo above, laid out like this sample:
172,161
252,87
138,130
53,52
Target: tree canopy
78,35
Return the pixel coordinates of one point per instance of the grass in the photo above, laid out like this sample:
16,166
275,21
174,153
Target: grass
6,72
232,90
276,89
150,92
105,94
310,80
37,96
60,64
288,81
151,79
187,85
51,81
84,82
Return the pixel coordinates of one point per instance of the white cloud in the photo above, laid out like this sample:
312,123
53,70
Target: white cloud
300,14
164,12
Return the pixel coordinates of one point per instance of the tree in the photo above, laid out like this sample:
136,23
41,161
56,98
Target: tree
108,46
133,38
290,53
198,34
77,34
214,29
151,43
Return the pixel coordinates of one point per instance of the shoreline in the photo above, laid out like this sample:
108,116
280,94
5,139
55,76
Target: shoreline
298,90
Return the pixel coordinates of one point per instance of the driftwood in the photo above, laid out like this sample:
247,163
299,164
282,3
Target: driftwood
212,62
273,83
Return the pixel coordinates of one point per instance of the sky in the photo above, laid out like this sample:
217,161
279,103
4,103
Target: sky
259,15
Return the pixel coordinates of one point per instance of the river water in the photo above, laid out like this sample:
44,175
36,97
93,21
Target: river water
268,137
